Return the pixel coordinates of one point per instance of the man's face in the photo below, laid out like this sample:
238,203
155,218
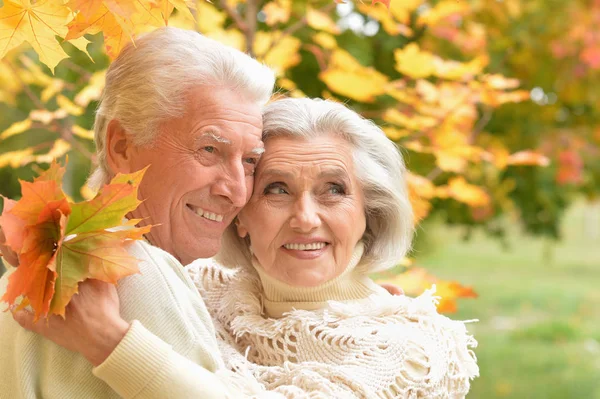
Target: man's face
201,172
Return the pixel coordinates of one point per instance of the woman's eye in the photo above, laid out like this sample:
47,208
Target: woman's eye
336,189
274,189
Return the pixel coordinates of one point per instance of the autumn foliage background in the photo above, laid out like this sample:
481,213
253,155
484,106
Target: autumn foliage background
494,104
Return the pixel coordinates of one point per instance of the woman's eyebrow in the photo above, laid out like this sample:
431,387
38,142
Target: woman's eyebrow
334,173
277,173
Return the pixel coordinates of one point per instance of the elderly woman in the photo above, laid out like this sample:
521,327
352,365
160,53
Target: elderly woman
291,298
329,207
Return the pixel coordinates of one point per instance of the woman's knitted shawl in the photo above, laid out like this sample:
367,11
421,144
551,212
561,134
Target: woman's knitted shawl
381,347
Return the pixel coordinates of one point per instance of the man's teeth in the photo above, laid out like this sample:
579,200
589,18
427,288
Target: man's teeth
208,215
306,247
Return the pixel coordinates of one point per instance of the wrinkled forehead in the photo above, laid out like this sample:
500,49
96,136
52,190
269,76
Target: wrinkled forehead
319,155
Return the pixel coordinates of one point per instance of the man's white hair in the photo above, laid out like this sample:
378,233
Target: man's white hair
379,168
148,83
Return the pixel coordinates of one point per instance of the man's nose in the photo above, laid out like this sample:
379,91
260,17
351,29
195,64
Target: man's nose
305,217
231,184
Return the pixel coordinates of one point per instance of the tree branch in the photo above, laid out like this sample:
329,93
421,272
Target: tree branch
67,134
251,17
481,124
233,14
434,174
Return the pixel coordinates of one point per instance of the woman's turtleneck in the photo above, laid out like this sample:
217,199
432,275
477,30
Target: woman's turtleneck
352,285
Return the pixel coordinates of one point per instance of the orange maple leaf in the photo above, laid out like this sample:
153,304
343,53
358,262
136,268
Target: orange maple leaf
416,280
60,244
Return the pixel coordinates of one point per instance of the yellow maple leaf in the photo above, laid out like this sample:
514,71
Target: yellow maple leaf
81,44
59,148
500,82
32,74
66,104
10,84
83,133
443,10
229,37
454,70
36,23
395,134
413,122
384,16
531,158
401,10
470,194
346,76
450,162
93,90
14,159
185,7
280,53
55,86
209,18
319,20
278,11
325,40
420,185
413,62
16,128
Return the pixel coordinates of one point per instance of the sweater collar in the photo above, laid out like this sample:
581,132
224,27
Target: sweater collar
353,284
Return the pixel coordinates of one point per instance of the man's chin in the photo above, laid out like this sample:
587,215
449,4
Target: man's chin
202,249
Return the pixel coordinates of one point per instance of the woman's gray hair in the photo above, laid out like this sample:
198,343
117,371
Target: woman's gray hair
148,82
379,168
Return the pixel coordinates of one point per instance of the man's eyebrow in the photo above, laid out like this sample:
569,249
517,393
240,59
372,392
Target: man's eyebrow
214,136
258,151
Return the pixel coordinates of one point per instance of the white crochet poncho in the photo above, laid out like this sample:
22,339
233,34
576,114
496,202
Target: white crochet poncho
382,346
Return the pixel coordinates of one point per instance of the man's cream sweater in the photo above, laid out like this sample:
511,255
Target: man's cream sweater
167,313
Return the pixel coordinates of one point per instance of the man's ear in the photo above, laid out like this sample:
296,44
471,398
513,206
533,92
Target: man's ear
118,148
241,229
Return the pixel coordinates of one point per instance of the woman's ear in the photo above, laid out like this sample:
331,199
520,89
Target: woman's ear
118,148
241,228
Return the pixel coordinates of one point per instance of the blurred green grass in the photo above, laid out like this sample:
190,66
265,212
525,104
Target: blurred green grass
538,306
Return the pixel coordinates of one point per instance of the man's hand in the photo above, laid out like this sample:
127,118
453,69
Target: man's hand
92,325
8,254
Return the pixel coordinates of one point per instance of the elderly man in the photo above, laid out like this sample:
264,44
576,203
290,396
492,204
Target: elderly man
191,109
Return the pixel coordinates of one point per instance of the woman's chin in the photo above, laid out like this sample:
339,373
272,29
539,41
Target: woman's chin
307,279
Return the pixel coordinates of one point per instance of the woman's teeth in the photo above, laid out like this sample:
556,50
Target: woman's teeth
207,215
305,247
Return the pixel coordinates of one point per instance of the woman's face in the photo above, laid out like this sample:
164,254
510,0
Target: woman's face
306,214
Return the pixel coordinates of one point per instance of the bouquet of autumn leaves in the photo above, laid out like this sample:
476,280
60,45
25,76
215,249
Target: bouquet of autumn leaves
60,243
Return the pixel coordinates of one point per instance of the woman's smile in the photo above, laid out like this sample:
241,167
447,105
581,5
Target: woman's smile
306,250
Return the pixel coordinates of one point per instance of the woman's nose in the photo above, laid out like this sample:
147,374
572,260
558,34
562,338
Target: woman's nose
305,217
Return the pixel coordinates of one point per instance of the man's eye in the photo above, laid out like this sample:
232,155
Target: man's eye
209,148
251,161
